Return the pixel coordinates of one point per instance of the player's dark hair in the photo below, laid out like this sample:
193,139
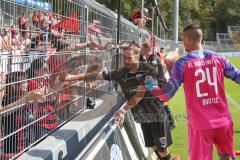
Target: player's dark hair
192,27
194,31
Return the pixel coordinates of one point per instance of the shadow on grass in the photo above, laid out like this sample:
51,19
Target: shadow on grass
237,131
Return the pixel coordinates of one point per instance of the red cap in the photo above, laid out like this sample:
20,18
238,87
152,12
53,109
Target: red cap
136,15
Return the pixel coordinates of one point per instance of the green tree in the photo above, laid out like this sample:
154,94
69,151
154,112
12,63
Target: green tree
227,13
213,15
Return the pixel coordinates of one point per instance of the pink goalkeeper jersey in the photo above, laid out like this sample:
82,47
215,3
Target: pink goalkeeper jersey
202,73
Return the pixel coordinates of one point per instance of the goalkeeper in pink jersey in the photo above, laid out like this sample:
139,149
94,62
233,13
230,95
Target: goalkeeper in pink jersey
209,120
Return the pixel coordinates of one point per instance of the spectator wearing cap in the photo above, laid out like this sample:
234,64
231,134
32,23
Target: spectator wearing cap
139,19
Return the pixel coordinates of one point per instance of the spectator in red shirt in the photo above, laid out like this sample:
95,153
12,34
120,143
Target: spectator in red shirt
38,81
35,20
41,20
15,98
22,22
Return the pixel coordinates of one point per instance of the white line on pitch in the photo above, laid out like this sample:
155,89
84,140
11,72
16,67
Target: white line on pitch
231,100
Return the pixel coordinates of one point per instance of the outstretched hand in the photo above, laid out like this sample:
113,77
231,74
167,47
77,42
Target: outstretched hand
93,45
119,118
59,82
35,96
94,67
64,77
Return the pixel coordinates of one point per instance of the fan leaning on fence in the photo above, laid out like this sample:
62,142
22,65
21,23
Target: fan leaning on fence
12,111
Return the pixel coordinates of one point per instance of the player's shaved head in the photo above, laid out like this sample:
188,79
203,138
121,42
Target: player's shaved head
194,32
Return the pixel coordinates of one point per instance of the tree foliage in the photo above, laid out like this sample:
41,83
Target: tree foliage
213,15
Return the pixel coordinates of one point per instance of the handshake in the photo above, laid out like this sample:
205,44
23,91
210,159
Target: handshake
150,83
64,77
61,81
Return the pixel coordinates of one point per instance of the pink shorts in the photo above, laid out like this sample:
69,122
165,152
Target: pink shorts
201,143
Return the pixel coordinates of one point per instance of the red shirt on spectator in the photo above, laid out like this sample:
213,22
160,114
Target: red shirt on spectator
35,18
41,20
22,22
49,122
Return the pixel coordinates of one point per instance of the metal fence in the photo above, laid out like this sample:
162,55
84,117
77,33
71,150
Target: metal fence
40,40
234,31
225,43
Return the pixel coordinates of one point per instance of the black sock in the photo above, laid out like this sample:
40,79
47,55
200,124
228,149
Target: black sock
157,153
168,157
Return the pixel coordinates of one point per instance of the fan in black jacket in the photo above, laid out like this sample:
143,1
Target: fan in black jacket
147,56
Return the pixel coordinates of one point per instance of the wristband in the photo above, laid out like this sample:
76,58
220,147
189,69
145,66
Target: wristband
123,110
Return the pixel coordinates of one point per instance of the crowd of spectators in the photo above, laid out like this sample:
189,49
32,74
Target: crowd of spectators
44,30
31,103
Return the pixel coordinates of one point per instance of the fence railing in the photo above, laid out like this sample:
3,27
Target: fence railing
225,43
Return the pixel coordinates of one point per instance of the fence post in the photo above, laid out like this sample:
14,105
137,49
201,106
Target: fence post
176,16
153,22
1,15
87,49
118,32
141,34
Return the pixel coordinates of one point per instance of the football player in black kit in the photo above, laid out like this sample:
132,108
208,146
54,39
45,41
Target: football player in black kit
146,109
147,56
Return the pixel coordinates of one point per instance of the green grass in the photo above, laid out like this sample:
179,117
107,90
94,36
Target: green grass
178,107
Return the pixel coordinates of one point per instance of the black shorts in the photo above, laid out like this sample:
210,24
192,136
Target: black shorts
157,134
